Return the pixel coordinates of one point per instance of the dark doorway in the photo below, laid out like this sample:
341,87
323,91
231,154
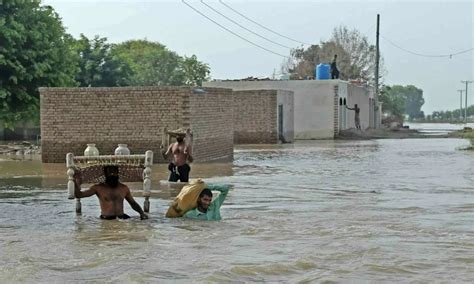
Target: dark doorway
281,137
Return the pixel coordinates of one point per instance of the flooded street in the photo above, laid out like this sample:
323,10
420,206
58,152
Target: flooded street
380,210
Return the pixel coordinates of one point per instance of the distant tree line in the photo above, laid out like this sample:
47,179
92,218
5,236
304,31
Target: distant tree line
400,102
405,102
36,51
450,115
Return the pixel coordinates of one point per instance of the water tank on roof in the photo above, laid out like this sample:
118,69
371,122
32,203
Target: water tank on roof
323,71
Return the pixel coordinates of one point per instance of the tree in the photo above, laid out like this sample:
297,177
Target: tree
355,56
135,63
302,62
453,115
153,64
35,51
413,102
195,72
393,103
359,57
399,101
97,66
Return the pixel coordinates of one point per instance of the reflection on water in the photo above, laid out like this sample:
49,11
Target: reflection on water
385,210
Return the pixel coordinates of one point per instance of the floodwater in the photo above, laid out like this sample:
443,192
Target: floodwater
335,211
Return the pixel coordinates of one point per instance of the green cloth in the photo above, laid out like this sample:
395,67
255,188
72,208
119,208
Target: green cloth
213,211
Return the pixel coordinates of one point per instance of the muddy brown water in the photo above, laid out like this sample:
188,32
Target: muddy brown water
364,211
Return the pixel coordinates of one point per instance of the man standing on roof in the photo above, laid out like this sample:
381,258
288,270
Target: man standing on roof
334,70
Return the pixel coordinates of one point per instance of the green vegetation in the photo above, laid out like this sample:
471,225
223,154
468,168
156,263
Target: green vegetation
449,116
36,51
151,63
400,101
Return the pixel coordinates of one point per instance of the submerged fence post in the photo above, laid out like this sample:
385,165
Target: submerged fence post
70,174
147,180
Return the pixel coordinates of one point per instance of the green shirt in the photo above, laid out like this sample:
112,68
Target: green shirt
213,211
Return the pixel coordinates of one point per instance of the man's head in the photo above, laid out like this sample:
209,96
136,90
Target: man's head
355,106
205,199
111,176
180,138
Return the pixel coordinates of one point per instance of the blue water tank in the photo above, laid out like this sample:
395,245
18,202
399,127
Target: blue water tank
323,71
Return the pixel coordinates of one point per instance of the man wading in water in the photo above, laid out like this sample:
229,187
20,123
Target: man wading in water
179,169
208,208
111,194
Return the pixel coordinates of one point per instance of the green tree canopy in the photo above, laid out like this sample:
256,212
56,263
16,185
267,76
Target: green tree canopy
393,103
98,67
35,51
413,101
399,101
153,64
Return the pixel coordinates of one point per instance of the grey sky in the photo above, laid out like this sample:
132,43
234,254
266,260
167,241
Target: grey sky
424,27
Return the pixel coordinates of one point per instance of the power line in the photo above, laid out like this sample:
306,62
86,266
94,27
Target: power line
230,31
262,26
369,30
427,55
243,27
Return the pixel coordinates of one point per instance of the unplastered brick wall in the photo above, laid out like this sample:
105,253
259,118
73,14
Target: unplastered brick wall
211,116
255,117
74,117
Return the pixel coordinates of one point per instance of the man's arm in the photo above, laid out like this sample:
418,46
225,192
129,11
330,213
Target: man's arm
350,108
223,189
77,187
189,152
168,151
135,206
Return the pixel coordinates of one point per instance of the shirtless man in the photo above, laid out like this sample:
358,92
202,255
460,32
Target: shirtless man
179,169
111,194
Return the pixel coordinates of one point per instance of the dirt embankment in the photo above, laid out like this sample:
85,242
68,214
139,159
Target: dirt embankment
19,148
401,133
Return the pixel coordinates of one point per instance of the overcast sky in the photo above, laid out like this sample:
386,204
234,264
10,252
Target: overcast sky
424,27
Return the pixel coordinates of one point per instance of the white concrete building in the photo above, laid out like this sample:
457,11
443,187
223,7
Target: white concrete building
319,105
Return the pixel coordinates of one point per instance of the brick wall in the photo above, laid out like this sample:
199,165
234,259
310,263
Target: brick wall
255,117
211,116
73,117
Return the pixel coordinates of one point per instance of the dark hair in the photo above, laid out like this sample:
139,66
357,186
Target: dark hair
107,168
206,192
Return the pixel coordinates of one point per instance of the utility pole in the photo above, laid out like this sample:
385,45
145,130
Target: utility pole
460,101
377,59
465,110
